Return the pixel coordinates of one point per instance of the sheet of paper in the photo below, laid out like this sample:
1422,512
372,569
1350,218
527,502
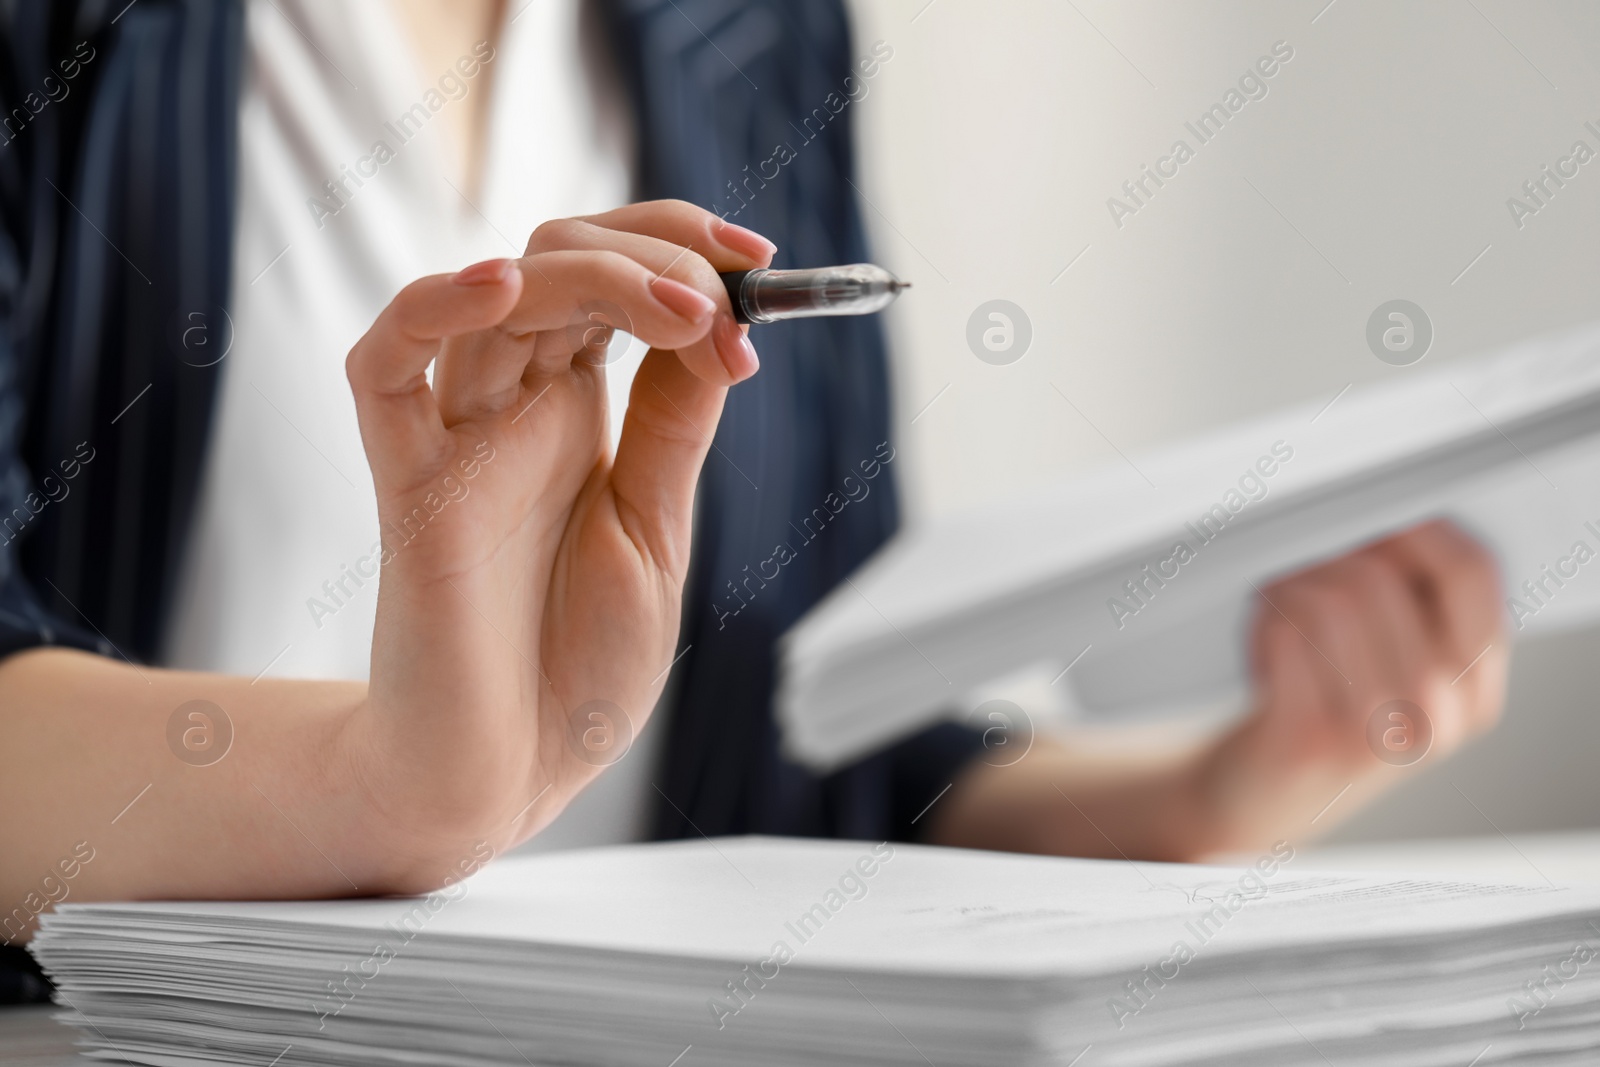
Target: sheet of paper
921,910
1145,591
759,951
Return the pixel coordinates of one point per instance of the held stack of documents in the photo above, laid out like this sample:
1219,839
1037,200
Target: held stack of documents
749,952
1133,587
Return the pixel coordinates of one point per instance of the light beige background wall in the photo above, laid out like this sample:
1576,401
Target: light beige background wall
1377,166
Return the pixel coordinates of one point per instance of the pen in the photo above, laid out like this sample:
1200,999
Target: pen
770,295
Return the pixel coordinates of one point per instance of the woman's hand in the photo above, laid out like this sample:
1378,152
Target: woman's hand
529,602
527,605
1384,659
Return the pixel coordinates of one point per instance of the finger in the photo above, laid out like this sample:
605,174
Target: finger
1292,606
1468,628
725,245
1339,610
1287,681
570,279
401,427
565,296
1429,673
1483,685
1392,623
667,431
1459,582
726,364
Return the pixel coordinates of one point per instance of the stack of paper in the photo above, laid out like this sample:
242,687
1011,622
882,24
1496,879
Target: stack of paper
1142,579
748,952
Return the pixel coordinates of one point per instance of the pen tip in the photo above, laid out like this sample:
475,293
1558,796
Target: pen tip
897,285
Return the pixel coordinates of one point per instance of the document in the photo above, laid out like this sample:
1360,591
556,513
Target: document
761,951
1133,587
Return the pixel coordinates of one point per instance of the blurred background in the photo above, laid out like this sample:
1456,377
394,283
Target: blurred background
1377,166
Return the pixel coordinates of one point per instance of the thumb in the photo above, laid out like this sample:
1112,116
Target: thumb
672,417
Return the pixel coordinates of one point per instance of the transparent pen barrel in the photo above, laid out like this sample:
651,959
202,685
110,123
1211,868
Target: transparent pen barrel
859,289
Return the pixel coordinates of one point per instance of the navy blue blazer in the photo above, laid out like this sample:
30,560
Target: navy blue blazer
118,134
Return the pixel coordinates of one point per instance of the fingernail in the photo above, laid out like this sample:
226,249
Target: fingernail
489,272
745,242
734,348
684,302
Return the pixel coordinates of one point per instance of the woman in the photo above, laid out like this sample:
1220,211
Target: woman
529,577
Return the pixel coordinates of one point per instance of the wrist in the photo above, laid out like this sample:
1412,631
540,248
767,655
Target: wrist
1067,803
392,837
1206,791
424,818
1242,797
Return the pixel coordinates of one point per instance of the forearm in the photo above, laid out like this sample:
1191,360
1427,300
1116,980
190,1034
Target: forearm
86,769
1077,801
